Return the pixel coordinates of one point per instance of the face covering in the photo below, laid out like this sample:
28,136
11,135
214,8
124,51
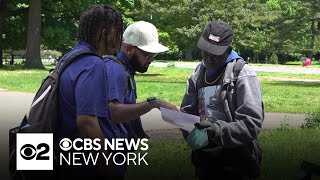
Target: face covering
211,71
137,66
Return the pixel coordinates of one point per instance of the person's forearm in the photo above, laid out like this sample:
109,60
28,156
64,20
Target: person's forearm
127,112
89,127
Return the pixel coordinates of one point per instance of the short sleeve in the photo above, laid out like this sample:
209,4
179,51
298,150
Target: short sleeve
91,91
116,77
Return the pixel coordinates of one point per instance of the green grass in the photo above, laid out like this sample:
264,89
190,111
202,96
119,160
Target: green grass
265,75
283,151
314,64
169,84
278,96
15,79
168,74
282,96
294,64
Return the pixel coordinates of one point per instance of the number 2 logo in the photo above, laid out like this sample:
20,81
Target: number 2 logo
28,151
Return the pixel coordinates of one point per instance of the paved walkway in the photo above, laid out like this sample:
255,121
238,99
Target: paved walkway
14,105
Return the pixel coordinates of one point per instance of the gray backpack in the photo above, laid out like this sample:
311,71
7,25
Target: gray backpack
247,158
42,115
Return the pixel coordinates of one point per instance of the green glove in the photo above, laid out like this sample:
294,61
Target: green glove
197,138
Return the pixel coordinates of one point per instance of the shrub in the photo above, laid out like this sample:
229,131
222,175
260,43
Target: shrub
312,120
171,65
274,59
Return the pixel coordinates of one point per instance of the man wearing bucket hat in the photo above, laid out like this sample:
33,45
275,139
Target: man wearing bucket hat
140,45
225,92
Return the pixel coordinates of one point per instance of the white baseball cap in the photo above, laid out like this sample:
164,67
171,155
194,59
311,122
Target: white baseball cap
144,35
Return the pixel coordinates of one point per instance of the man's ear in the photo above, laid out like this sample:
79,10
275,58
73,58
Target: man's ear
129,49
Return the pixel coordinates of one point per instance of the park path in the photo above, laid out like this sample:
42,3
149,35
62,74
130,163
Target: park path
13,106
284,69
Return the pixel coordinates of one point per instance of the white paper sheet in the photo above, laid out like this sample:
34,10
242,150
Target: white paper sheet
179,119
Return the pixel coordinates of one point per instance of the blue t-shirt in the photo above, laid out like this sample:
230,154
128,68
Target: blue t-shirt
124,91
120,91
83,91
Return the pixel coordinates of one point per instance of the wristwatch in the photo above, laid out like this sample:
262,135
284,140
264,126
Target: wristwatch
152,102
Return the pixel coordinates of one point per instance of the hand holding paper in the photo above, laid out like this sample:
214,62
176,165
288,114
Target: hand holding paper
181,120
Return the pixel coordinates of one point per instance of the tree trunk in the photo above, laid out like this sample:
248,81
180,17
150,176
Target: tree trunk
33,58
189,54
282,58
255,57
311,47
1,42
266,59
313,37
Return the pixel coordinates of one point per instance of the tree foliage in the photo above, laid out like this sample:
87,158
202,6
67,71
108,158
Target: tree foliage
289,29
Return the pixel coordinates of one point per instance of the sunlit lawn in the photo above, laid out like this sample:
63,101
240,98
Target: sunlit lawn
278,96
294,64
169,84
283,150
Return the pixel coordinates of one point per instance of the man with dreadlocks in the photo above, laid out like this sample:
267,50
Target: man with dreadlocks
83,110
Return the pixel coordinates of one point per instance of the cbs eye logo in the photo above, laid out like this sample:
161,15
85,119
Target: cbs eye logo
65,144
28,151
34,151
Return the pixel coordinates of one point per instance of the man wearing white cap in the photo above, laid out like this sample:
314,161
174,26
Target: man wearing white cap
140,45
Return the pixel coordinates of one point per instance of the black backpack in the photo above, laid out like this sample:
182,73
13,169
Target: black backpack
42,115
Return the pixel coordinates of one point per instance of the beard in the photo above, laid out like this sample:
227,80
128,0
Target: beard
137,66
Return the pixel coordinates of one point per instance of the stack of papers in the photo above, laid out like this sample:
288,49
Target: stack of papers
181,120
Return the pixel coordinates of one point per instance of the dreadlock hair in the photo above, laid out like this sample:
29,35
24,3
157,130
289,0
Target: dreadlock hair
95,19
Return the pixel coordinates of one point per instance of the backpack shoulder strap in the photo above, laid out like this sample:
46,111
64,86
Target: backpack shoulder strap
71,58
116,59
129,77
197,74
226,94
238,67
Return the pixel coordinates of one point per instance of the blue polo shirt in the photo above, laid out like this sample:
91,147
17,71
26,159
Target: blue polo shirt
83,91
120,90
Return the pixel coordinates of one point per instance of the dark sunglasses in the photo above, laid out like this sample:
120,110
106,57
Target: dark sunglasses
147,54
